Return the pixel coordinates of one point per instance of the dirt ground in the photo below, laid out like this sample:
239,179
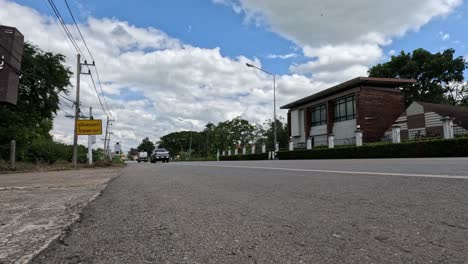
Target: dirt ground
36,208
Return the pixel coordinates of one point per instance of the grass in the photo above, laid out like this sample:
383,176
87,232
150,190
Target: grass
20,167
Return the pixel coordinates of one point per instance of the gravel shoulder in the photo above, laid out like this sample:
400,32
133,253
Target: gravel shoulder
36,208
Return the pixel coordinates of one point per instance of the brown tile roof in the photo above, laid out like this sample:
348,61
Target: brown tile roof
371,81
459,113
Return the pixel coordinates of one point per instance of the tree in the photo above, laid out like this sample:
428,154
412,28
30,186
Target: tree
146,145
44,76
437,75
267,133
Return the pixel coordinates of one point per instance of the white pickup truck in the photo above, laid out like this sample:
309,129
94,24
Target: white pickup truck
160,154
142,156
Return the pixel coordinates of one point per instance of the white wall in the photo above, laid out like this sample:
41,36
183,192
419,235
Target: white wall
432,119
301,125
414,109
295,123
344,129
321,140
318,130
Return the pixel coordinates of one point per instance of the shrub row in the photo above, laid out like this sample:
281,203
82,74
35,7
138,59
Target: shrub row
261,156
48,151
431,148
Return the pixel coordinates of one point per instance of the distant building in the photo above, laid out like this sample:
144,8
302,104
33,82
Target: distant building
425,120
373,104
133,153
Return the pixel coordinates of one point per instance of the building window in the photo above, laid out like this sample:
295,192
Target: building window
345,109
319,115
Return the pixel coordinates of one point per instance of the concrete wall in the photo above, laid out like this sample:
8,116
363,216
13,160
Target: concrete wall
318,130
344,129
295,123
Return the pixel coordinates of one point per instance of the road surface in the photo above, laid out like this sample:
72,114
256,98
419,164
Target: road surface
332,211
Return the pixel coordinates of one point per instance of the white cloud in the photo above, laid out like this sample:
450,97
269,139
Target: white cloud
444,36
154,79
342,34
282,56
392,52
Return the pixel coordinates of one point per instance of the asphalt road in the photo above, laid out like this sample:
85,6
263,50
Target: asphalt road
341,211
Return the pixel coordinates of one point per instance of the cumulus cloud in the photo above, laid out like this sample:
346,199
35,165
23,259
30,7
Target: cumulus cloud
152,79
341,36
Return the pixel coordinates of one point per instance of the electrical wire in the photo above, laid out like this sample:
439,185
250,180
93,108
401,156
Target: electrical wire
64,26
91,55
99,98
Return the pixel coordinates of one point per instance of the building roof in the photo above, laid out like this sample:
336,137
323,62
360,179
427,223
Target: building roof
459,113
370,81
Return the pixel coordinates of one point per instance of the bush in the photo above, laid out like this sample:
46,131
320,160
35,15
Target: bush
261,156
430,148
48,151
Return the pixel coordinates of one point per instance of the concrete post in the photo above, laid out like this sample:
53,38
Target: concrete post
236,151
252,150
13,154
358,137
224,153
276,147
447,123
396,134
244,150
291,146
229,152
217,155
309,143
331,141
263,148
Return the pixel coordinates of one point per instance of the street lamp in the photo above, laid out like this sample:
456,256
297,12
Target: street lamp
274,100
191,128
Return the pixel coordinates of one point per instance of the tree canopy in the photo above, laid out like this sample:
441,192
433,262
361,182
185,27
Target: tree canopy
439,75
146,145
225,135
44,75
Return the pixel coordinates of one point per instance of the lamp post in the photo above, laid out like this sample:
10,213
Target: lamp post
274,101
191,128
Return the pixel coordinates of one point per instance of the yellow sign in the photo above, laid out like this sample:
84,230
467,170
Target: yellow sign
89,127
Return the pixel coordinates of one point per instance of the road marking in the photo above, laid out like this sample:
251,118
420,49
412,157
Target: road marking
335,171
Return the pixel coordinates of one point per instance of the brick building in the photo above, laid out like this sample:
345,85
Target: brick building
372,103
425,120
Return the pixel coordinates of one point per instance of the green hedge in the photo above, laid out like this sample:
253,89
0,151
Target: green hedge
48,151
261,156
431,148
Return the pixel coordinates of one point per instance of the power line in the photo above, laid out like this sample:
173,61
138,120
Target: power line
91,55
99,98
67,30
79,31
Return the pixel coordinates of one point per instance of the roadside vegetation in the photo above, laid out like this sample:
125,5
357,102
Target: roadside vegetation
222,136
30,122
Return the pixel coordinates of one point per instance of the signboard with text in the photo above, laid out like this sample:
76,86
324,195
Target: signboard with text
89,127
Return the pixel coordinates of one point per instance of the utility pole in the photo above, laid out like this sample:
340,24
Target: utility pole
105,139
77,106
108,144
90,143
77,110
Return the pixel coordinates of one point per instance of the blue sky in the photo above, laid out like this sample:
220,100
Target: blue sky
165,60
